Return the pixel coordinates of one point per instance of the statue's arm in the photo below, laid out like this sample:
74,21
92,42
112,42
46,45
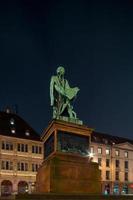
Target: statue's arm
52,90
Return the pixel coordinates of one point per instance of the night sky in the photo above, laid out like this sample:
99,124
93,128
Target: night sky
93,40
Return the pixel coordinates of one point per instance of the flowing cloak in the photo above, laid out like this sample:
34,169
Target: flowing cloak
61,88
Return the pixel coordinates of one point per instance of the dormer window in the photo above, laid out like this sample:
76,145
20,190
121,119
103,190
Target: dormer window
12,121
8,110
105,141
13,130
27,133
113,143
126,154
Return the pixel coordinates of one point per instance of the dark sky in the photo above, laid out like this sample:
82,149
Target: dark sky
93,40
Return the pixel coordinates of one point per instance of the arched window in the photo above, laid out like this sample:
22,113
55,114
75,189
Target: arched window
22,187
6,188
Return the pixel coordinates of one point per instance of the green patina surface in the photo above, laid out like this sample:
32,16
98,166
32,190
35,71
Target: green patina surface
62,95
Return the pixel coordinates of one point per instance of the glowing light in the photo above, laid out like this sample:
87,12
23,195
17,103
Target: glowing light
13,130
90,154
12,121
27,133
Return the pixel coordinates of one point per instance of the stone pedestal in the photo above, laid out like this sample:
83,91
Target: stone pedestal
66,167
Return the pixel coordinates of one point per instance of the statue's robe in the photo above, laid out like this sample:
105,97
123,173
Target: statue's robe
60,92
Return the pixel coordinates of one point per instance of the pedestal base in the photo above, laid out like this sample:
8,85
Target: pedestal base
68,173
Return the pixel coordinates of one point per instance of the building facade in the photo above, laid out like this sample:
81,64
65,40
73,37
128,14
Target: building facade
115,158
21,154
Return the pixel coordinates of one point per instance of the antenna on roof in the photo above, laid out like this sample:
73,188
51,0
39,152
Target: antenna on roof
15,108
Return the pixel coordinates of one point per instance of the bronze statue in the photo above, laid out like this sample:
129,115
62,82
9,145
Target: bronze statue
62,95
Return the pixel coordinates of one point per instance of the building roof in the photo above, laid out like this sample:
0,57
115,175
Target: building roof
14,126
108,139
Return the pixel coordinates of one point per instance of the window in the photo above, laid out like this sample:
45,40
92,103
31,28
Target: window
35,167
117,163
117,152
107,151
6,165
27,132
105,141
26,147
36,149
100,161
22,166
26,166
23,147
99,150
126,176
40,150
126,154
92,150
126,164
117,176
107,162
33,151
13,130
12,121
7,145
107,175
18,147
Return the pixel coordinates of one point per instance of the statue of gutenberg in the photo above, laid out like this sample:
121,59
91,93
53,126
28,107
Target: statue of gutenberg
62,95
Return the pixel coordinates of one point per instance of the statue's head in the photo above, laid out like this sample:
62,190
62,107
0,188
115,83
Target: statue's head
60,70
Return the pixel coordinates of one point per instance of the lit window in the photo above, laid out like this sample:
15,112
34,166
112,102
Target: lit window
105,141
13,130
8,110
117,152
126,154
107,151
12,121
92,150
27,133
99,150
113,143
